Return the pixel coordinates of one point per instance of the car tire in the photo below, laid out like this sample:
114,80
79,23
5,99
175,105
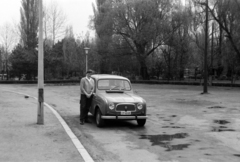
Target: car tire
99,121
141,122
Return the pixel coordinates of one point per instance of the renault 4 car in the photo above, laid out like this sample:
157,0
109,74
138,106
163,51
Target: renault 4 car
114,98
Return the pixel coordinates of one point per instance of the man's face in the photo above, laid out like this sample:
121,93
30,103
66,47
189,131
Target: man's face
89,75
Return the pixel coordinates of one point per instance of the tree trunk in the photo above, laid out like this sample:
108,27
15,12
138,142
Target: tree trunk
141,56
143,70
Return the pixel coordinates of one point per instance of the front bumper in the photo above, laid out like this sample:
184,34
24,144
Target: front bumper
124,117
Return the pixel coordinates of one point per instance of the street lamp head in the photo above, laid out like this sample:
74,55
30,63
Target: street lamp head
86,50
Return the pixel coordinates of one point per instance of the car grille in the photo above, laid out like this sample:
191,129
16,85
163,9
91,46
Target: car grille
125,107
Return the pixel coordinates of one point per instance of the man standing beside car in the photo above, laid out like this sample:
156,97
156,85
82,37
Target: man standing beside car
86,90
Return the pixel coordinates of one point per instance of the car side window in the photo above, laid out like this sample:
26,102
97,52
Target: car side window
127,86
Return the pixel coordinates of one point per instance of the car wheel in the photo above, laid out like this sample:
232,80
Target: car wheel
99,121
141,122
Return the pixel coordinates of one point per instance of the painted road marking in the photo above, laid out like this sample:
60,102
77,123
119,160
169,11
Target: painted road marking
83,152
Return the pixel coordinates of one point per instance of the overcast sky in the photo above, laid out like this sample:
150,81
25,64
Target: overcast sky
77,12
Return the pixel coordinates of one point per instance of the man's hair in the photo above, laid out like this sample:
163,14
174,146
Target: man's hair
89,71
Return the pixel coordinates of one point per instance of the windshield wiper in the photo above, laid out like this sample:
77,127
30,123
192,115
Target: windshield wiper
117,88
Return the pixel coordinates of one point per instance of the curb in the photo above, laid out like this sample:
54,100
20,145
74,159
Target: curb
83,152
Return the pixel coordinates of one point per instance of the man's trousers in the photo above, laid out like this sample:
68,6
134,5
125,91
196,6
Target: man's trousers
85,104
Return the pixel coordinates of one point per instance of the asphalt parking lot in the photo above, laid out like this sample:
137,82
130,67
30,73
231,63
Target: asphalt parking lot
183,126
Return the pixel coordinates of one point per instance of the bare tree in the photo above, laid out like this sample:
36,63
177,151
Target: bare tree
143,25
55,21
69,51
225,13
45,20
1,63
8,37
8,40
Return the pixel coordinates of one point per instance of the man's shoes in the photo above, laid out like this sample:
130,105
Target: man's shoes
88,121
81,122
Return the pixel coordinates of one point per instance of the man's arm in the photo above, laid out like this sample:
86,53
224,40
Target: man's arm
82,88
93,84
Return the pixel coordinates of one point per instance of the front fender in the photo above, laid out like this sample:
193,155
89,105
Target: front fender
98,102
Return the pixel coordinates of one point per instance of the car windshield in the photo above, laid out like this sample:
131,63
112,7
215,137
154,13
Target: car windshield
113,84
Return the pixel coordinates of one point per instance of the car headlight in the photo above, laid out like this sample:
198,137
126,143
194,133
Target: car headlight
111,106
140,106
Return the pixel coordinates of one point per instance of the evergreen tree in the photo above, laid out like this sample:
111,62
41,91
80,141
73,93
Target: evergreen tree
29,24
28,30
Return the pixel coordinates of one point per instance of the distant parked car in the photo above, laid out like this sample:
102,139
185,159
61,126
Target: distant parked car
114,98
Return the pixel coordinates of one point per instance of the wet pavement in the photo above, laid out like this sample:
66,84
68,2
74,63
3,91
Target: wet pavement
183,125
193,127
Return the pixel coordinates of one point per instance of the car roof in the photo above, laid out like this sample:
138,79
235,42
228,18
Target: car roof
108,76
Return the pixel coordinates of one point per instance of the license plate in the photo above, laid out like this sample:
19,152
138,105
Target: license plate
125,112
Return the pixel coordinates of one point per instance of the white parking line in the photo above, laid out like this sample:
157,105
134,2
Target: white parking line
83,152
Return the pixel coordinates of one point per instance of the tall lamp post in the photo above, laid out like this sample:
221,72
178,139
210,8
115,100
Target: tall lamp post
40,118
86,52
205,88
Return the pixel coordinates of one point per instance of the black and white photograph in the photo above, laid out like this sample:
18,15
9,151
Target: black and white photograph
119,80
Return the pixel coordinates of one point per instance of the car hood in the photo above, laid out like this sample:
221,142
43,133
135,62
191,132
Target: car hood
122,97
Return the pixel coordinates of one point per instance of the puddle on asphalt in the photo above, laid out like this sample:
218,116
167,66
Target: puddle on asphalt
205,148
216,107
173,116
176,147
164,140
197,140
222,122
208,154
218,129
238,155
172,126
222,127
234,109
